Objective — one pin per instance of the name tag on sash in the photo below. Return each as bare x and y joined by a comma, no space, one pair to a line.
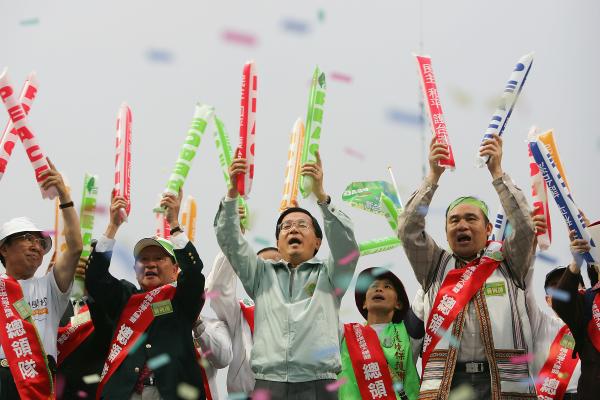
22,308
568,341
495,289
162,308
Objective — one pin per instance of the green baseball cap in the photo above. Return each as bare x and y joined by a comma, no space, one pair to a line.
154,241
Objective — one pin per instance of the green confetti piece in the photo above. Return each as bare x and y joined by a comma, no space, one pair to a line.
160,360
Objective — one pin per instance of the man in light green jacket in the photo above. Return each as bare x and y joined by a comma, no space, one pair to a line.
296,337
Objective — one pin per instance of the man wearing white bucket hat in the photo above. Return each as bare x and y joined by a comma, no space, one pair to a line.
31,307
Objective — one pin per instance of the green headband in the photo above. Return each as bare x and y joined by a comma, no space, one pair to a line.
469,200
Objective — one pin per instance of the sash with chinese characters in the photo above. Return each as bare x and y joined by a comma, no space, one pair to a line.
554,377
74,333
594,324
368,362
248,313
136,317
457,289
21,344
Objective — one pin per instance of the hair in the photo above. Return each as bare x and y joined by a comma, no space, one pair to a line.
6,241
554,276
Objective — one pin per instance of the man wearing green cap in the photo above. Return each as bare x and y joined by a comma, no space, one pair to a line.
152,352
476,322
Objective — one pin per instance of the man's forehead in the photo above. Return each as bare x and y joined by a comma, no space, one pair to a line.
296,216
382,281
465,209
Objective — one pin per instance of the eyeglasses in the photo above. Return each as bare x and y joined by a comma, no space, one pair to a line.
300,224
31,238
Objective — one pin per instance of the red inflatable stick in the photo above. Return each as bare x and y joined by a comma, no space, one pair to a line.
248,126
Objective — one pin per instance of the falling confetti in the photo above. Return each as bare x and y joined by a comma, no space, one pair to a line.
262,241
525,358
338,76
547,258
91,379
558,294
460,96
159,56
321,15
332,387
237,396
187,391
452,340
354,153
325,352
353,255
138,343
398,386
82,395
343,280
60,384
295,26
362,283
463,392
160,360
424,210
404,117
211,294
239,38
29,22
261,394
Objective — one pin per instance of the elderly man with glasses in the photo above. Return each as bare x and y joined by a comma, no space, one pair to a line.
296,338
31,307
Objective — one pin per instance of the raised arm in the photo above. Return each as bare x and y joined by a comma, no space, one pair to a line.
518,248
190,281
108,292
246,264
64,269
343,247
420,248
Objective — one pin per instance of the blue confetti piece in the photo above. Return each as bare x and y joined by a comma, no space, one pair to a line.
398,386
262,241
558,294
29,22
296,26
159,56
547,258
237,396
138,343
159,361
405,117
325,352
452,340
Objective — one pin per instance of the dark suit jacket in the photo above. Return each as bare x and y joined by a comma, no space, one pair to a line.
577,313
88,358
169,334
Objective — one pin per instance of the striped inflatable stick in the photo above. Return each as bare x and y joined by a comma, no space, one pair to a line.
247,126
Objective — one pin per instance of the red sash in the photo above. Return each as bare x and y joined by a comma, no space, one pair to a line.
71,336
204,376
457,289
556,373
22,345
594,324
368,361
136,317
248,313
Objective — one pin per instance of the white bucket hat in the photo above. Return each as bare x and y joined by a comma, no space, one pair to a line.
23,224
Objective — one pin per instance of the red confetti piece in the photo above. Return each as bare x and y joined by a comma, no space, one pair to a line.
338,76
239,38
353,255
211,294
354,153
332,387
525,358
261,394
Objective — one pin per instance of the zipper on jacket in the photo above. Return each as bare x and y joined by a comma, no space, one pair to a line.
291,282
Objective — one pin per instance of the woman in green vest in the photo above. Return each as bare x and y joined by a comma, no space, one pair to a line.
376,358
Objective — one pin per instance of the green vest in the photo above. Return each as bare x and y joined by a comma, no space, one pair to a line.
387,338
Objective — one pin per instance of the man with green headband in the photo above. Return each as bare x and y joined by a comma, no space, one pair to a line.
476,330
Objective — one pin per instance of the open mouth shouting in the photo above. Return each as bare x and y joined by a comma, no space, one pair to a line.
378,297
294,241
463,238
150,273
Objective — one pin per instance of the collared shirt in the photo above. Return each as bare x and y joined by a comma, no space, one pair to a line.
424,253
296,335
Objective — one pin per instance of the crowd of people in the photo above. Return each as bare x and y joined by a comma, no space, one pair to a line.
474,321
